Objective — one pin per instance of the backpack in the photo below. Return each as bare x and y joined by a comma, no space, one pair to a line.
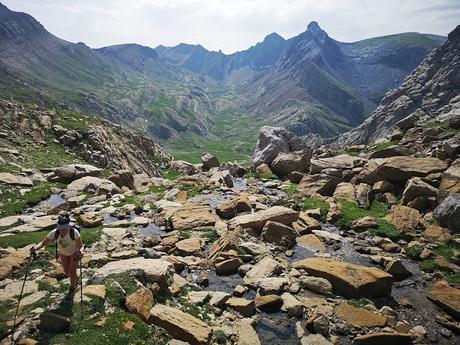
56,235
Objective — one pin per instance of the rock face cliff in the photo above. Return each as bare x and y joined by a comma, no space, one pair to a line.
430,92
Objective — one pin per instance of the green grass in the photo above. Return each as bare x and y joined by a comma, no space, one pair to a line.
311,203
91,235
359,303
414,251
210,234
381,146
453,278
6,314
182,302
447,250
159,190
22,239
290,188
378,210
220,337
171,174
12,202
185,234
428,265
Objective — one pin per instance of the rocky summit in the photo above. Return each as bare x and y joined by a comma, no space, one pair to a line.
350,240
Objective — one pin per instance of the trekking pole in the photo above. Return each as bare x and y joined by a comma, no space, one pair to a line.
31,257
81,296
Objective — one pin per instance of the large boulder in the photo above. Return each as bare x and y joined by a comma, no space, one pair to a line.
446,297
221,178
258,219
349,280
140,302
231,208
340,162
416,188
123,178
359,317
192,216
448,212
319,184
91,184
400,169
405,219
209,161
450,182
155,270
186,167
180,325
278,233
272,141
265,268
285,163
72,172
8,178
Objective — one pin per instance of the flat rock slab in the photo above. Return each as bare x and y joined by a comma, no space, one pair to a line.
446,297
180,325
192,216
347,279
246,333
258,219
9,178
155,270
384,339
266,267
359,317
13,259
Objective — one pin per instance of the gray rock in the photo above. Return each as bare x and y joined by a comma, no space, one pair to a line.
448,212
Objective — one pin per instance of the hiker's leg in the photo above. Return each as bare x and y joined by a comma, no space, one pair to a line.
73,272
65,263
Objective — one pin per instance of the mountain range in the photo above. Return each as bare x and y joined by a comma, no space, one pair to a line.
194,99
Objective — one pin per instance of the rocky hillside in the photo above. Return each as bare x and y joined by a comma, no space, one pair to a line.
308,247
430,92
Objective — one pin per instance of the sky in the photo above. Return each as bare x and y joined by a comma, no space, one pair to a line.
232,25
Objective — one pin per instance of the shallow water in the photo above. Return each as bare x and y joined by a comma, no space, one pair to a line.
149,230
53,201
276,329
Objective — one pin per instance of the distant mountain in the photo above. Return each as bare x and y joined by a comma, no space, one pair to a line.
193,99
431,91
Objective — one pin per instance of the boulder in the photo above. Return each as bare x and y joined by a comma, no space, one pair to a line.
363,193
448,212
347,279
91,184
209,161
291,305
266,267
450,182
382,187
359,317
346,191
123,178
229,266
241,305
278,233
272,285
53,323
231,208
8,178
311,242
189,246
180,325
155,270
221,178
364,223
400,169
72,172
269,303
340,162
246,333
12,260
272,141
405,219
185,167
140,302
257,220
436,234
318,184
416,188
192,216
447,297
397,269
90,220
316,284
407,122
314,339
263,169
285,163
236,169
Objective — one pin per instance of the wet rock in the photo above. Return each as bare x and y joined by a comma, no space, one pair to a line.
209,161
241,305
316,284
349,280
447,297
140,302
180,325
278,233
384,339
258,219
229,266
231,208
192,216
272,141
269,303
285,163
448,212
359,317
53,323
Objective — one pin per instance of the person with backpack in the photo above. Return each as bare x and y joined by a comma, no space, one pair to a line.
68,244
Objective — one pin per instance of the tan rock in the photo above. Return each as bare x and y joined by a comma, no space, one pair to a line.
269,303
140,302
365,223
278,233
90,220
231,208
345,191
436,234
404,218
189,246
384,338
312,242
348,279
446,297
241,305
246,333
180,325
228,266
192,216
258,219
266,267
12,260
9,178
359,317
318,184
340,162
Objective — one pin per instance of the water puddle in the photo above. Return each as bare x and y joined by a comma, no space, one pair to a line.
240,184
111,219
149,230
276,329
53,201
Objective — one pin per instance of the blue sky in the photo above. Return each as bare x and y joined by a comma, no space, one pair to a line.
232,25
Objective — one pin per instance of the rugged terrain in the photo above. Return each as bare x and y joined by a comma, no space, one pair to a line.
193,100
307,246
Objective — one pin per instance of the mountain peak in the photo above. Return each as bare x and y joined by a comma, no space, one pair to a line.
273,37
313,27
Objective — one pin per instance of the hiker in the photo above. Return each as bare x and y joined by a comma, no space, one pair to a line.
69,246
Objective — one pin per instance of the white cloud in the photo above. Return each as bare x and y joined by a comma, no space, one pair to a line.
232,25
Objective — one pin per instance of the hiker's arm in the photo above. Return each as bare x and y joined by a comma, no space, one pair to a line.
42,244
80,247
